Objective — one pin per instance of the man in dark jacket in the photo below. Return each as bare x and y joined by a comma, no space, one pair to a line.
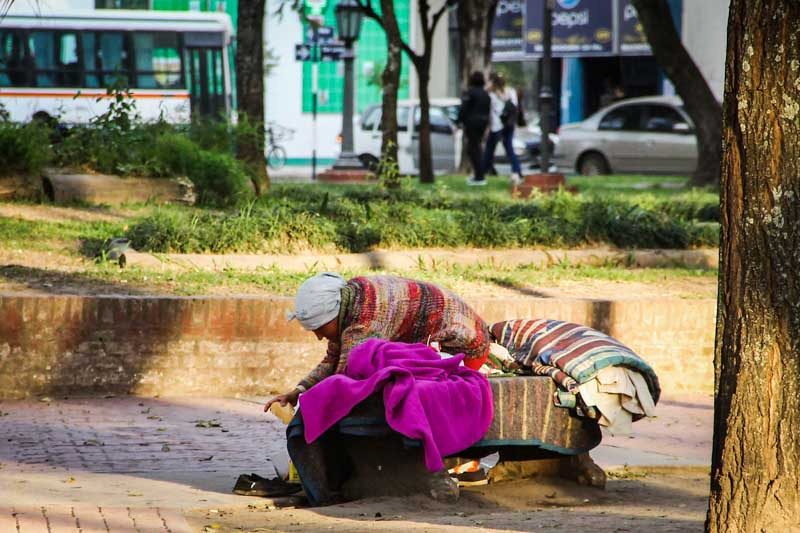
474,116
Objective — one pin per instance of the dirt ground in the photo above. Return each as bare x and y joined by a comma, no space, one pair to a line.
669,500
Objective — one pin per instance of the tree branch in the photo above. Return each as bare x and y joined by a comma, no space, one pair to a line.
370,12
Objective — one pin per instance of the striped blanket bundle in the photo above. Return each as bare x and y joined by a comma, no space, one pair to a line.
572,355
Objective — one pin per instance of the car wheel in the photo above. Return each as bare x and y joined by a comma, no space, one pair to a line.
593,164
369,161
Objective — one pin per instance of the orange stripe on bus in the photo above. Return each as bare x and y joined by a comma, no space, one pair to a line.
95,95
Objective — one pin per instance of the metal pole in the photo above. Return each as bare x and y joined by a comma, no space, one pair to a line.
314,96
347,111
546,91
347,159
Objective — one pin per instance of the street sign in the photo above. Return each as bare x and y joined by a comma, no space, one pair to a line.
325,35
314,8
302,52
332,52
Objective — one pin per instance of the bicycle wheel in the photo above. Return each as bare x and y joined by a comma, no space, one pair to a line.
276,157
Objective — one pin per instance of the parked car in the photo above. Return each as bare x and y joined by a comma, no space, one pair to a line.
648,135
445,136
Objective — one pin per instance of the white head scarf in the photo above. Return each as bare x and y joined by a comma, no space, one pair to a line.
318,300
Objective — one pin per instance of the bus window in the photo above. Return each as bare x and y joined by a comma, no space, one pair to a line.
89,46
158,62
113,58
12,59
42,47
69,70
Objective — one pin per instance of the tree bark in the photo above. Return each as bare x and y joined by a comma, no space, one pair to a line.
250,89
390,80
755,476
698,99
475,21
424,131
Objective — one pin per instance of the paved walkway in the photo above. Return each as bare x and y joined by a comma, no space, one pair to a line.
135,464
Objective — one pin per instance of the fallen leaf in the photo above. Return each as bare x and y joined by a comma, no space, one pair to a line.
134,494
45,399
165,448
92,442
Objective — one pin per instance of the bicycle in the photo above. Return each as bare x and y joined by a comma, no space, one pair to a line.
276,154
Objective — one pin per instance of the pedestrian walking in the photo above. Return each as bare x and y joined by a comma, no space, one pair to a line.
473,115
503,119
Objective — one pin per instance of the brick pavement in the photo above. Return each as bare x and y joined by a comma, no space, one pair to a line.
131,464
127,464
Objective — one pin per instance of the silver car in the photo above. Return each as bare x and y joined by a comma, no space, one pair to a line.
649,135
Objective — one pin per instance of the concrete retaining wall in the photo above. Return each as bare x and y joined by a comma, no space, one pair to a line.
54,345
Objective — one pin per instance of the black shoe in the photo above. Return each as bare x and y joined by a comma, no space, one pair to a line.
255,485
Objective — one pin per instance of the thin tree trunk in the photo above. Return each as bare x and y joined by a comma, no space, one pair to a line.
698,99
755,477
424,133
250,88
391,80
475,21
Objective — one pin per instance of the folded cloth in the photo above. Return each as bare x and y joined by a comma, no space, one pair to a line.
446,406
619,394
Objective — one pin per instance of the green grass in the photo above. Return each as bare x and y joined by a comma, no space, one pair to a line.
358,218
71,237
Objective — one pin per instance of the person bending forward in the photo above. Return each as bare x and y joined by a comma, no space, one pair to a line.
346,313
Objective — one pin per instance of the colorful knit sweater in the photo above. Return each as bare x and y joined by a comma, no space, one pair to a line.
403,310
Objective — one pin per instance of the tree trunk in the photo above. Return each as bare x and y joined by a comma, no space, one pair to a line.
755,476
475,21
698,99
250,88
391,80
424,131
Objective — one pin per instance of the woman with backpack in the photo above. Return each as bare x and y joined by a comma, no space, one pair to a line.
503,118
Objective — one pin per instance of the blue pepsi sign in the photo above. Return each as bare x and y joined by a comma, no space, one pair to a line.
580,28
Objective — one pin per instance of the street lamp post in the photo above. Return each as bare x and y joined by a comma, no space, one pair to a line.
546,91
348,23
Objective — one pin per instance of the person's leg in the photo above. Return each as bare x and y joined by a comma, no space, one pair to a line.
508,136
474,151
488,152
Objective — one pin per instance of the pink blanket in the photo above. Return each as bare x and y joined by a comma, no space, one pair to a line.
446,406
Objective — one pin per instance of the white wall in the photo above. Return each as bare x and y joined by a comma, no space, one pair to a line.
705,36
440,68
283,99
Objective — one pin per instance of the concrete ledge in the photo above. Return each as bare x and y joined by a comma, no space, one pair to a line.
61,187
53,345
412,259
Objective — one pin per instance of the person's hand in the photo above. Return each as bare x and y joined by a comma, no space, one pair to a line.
283,399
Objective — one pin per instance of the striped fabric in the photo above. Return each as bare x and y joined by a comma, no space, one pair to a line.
403,310
571,354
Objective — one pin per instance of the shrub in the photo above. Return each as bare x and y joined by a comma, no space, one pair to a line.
357,219
24,149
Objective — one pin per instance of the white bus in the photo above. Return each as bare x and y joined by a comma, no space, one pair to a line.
176,64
